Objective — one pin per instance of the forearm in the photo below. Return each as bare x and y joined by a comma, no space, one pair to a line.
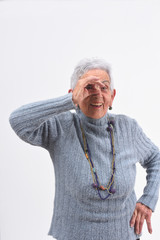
149,157
30,117
151,190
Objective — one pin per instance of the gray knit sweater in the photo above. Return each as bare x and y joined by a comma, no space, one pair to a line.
79,213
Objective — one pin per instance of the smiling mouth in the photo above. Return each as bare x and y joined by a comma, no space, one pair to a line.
96,105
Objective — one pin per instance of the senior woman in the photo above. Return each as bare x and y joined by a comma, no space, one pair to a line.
94,155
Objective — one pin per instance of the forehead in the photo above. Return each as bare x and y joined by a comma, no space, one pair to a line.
102,74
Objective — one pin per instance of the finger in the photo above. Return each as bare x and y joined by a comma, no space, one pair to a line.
133,219
137,221
149,226
98,84
88,80
91,80
94,87
141,222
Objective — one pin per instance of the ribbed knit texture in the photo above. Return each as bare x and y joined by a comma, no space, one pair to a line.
79,213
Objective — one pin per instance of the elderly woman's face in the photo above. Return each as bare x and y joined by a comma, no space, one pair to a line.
100,98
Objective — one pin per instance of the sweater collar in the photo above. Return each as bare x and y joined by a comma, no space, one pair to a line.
99,122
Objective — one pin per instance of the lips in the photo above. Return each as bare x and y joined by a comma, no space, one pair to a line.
97,105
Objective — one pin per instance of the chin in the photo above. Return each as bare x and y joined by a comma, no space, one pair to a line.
96,116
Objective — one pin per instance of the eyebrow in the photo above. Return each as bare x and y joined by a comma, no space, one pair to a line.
106,81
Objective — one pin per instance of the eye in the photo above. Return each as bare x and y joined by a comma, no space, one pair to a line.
89,86
105,88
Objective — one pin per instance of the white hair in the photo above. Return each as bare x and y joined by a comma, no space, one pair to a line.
87,64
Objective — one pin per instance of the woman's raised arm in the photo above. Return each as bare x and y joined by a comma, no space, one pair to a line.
38,123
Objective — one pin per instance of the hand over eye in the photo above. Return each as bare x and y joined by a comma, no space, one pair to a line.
83,87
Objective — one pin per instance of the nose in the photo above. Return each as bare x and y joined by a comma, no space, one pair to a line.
97,90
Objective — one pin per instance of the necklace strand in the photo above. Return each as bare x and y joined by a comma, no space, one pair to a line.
96,183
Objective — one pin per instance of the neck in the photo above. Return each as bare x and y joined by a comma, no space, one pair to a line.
96,121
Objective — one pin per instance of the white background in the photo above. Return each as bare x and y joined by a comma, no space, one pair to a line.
40,43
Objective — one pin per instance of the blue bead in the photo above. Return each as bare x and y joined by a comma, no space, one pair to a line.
94,170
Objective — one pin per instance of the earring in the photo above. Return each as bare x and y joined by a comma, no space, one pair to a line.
110,107
70,90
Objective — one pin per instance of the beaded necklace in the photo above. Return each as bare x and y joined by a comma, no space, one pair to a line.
96,183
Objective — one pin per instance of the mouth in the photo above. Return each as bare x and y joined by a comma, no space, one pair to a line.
96,105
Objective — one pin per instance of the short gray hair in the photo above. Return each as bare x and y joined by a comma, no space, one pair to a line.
87,64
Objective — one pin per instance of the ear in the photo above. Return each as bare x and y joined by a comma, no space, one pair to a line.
113,96
70,90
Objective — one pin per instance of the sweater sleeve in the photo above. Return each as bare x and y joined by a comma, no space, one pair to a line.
149,157
41,122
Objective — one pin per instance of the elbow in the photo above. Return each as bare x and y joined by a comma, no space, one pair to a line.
12,120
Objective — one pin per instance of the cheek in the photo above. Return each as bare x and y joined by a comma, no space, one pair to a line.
84,104
107,100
